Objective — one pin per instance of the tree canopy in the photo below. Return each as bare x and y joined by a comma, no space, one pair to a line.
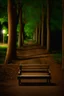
32,11
56,15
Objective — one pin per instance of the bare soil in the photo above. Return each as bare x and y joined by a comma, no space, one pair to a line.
8,76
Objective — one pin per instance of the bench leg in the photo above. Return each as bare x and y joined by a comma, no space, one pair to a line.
19,82
48,80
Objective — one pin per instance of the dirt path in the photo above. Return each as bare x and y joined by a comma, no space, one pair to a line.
32,55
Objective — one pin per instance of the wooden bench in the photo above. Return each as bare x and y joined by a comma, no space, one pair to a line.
33,68
44,69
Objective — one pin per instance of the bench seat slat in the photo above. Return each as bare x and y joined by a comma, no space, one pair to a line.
34,76
34,70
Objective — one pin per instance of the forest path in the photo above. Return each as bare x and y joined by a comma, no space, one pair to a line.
32,55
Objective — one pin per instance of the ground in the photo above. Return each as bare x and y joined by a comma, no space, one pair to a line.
31,55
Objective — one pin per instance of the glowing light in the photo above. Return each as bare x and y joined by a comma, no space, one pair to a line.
3,31
7,34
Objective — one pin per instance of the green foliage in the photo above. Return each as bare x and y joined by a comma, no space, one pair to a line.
3,50
58,57
18,28
3,11
3,2
56,15
31,15
29,29
3,19
3,8
32,12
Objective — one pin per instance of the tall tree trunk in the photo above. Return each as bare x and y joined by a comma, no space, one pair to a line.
36,35
39,41
42,31
48,25
21,29
37,30
63,36
11,50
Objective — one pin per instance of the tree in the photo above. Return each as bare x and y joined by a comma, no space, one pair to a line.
63,36
12,24
3,11
21,29
48,25
42,29
13,16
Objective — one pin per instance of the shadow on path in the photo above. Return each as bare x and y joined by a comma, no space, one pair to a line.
37,84
31,57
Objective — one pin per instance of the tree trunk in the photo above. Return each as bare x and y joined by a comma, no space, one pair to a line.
42,31
21,29
11,50
63,36
39,39
48,27
36,35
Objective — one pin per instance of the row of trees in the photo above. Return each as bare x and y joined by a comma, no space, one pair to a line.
32,12
14,14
